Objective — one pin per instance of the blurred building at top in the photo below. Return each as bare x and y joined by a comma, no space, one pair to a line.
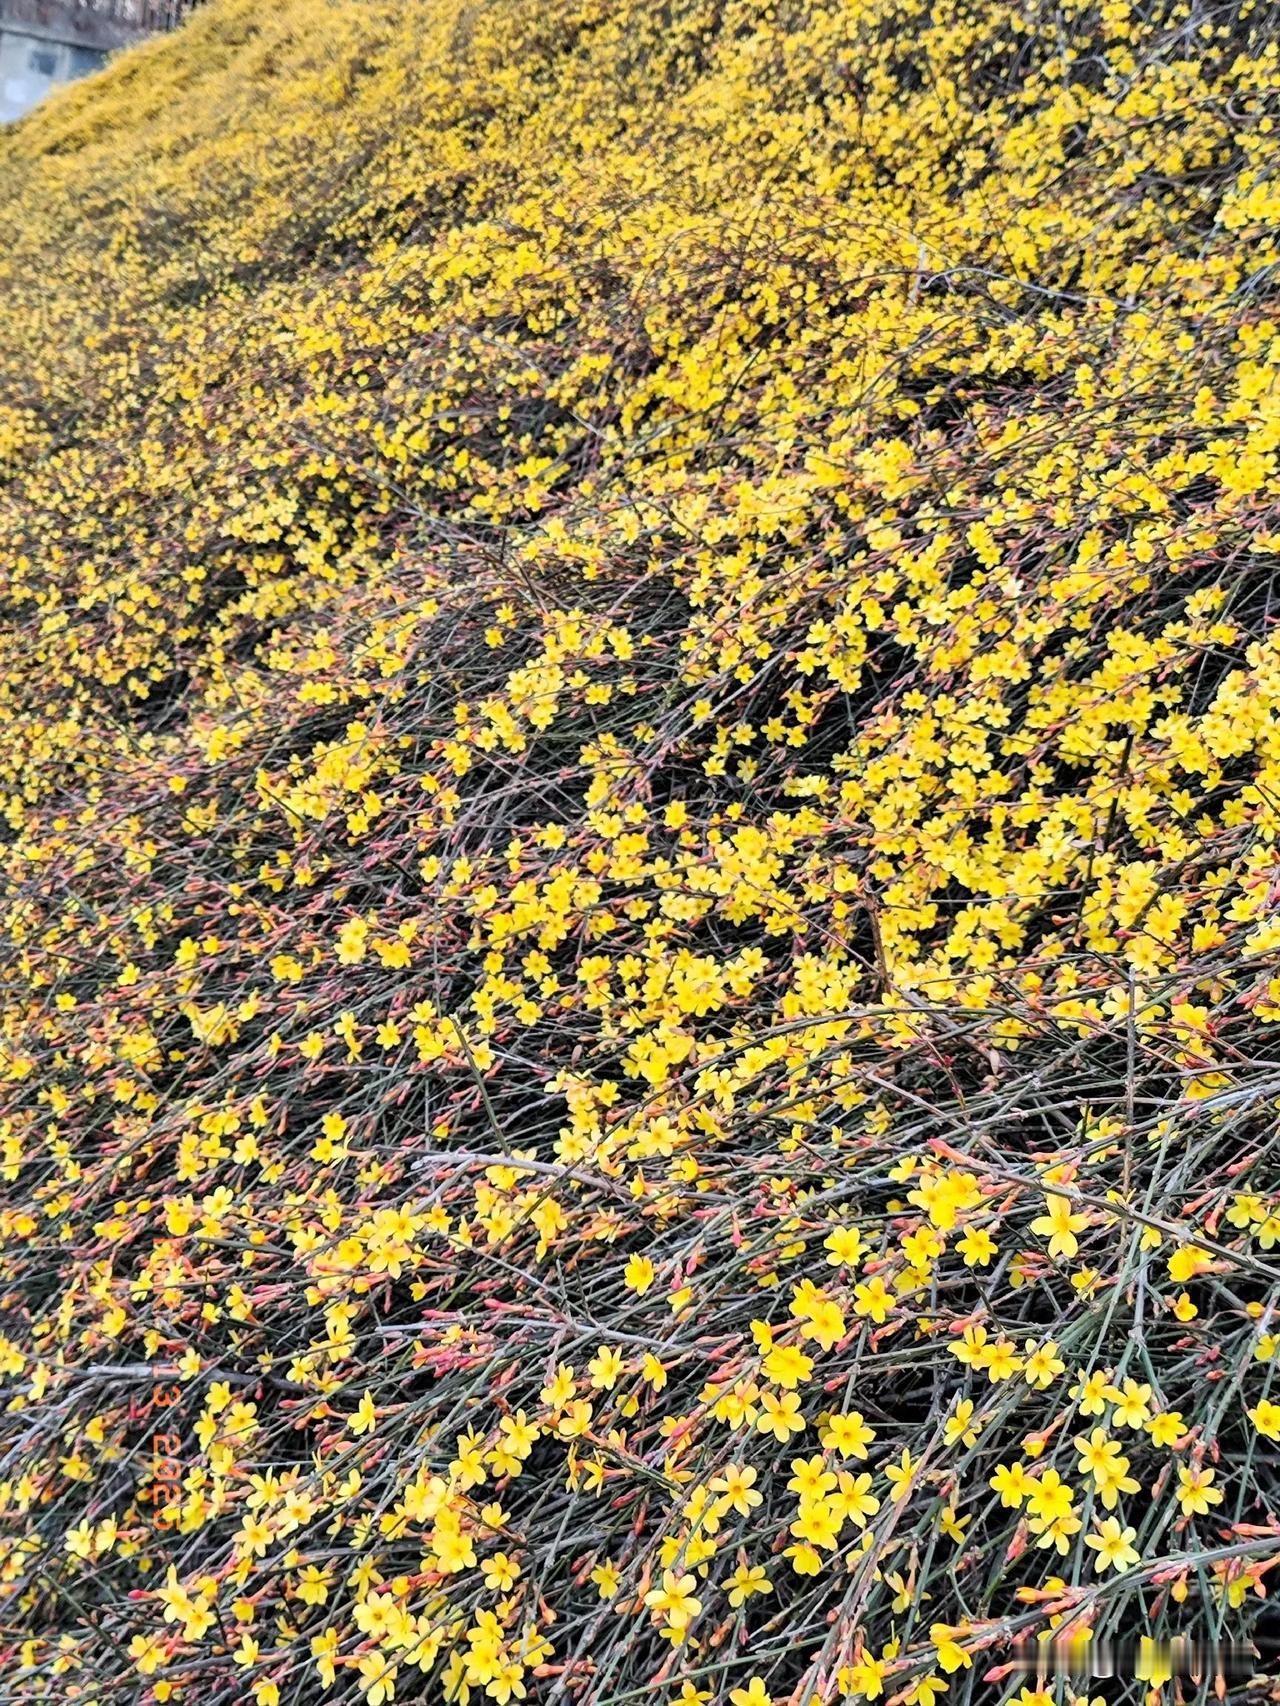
47,42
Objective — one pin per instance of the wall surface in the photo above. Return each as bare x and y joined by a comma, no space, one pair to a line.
32,64
47,42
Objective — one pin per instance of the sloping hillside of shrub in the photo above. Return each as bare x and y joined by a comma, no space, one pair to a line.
640,778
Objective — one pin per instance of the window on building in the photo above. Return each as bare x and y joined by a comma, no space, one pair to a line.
83,60
43,61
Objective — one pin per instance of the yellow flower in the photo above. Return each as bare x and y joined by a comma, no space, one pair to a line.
952,1524
1266,1418
365,1418
1056,1531
959,1426
780,1416
1113,1546
925,1690
500,1572
674,1603
1153,1663
313,1586
754,1694
1196,1492
873,1299
1002,1360
377,1679
557,1391
848,1434
977,1247
1093,1392
1167,1427
1059,1224
652,1371
818,1524
746,1580
1012,1483
147,1653
79,1540
736,1486
324,1650
1043,1364
1099,1453
822,1319
805,1559
787,1366
1133,1408
844,1246
519,1434
972,1349
605,1368
900,1476
247,1652
1051,1496
951,1655
864,1679
1187,1263
853,1500
810,1477
352,947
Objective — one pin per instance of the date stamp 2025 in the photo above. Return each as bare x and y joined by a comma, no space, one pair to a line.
165,1485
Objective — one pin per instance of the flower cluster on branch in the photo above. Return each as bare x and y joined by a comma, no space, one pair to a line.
640,777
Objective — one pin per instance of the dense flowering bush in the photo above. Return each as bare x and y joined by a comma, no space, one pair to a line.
640,762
